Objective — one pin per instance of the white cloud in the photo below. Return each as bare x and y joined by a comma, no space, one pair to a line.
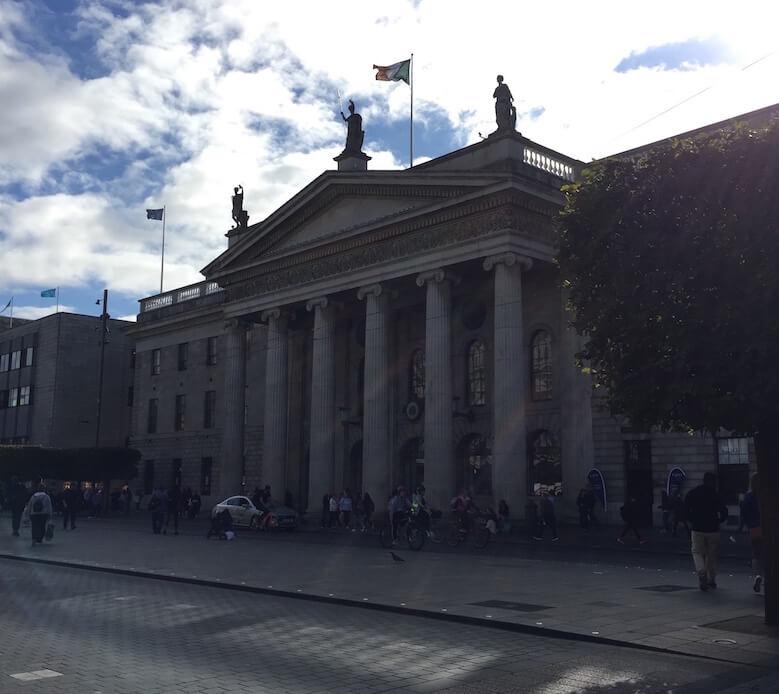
201,95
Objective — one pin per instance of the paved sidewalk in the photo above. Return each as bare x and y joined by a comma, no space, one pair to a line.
643,604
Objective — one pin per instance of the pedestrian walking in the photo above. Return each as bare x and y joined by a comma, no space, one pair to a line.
631,516
504,522
586,505
71,500
678,515
368,509
17,497
332,506
326,510
548,518
345,507
158,505
40,511
174,508
750,513
705,510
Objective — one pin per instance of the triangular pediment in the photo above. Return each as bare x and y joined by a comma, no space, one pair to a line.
337,205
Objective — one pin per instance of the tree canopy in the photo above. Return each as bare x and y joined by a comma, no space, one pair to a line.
29,462
671,262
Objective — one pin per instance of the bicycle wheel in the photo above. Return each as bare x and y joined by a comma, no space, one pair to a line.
415,537
481,536
453,536
385,536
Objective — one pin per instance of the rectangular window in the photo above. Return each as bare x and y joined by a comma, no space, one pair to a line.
211,352
205,476
28,356
733,470
151,427
24,395
132,358
148,476
13,397
16,359
3,399
181,406
209,410
177,465
156,357
130,396
183,356
5,360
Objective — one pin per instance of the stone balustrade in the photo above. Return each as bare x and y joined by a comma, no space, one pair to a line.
180,295
550,162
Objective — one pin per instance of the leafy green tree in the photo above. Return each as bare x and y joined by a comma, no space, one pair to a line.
671,259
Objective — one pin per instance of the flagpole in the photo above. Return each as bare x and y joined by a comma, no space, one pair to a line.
411,120
162,259
11,321
58,300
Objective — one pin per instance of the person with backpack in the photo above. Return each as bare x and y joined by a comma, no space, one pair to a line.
40,511
158,505
750,515
71,500
705,511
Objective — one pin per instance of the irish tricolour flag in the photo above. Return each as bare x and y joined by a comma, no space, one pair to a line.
395,72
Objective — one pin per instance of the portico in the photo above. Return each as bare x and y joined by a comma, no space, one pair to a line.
376,266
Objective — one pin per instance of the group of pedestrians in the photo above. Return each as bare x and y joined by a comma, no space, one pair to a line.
343,511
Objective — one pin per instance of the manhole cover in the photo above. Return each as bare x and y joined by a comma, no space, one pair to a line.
507,605
665,588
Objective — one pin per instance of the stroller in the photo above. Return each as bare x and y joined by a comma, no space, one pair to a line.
221,525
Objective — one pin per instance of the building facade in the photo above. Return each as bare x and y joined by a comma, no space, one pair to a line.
49,374
396,327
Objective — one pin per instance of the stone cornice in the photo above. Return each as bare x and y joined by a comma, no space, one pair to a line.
499,213
508,259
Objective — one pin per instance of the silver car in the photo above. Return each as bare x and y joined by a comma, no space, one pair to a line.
242,511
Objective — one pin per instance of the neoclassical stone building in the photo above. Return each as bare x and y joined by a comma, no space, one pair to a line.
387,327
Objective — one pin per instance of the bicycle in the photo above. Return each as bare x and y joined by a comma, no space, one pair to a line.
477,529
409,529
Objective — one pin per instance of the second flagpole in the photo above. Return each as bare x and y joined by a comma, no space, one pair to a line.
162,259
411,120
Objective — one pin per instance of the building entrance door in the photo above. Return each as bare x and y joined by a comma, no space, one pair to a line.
412,464
638,478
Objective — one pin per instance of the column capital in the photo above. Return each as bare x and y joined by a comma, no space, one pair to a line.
322,302
275,314
509,260
369,290
236,324
438,275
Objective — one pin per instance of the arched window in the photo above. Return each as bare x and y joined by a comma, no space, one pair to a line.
543,463
477,374
416,376
541,365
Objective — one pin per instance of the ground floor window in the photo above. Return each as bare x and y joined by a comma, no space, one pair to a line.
733,469
545,474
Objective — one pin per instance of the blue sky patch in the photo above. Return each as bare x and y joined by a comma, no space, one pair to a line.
684,55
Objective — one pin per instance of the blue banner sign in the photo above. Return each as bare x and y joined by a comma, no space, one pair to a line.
598,484
676,479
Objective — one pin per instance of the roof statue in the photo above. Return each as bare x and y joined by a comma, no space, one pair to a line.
240,216
353,158
505,111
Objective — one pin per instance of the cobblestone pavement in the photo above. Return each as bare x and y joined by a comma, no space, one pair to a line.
647,601
69,630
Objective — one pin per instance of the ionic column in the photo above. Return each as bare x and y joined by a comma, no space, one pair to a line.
322,439
274,448
509,457
376,465
439,445
233,403
576,444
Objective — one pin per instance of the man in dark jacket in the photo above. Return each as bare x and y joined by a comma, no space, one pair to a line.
17,496
705,511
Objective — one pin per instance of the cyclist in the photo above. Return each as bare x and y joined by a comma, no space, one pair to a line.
399,507
462,505
419,509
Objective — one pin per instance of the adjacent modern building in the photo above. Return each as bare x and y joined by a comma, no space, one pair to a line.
388,327
49,375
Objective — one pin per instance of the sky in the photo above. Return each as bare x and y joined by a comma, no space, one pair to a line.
110,107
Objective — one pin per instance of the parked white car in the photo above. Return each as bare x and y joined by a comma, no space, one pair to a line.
242,511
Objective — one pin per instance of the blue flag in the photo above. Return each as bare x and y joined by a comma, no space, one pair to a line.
49,293
154,214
